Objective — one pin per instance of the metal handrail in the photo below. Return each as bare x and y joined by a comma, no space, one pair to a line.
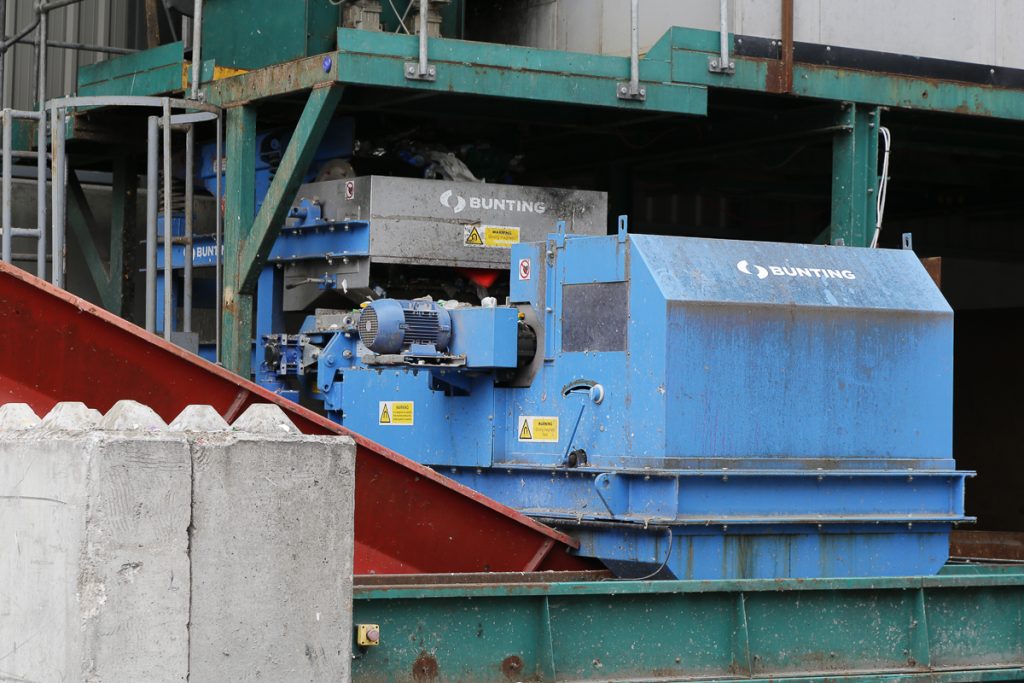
194,112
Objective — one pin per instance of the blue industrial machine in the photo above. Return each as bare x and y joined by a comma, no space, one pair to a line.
686,407
352,239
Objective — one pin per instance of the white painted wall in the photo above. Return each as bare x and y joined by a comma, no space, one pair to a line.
980,31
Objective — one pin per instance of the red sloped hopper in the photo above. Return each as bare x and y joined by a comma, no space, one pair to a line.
409,520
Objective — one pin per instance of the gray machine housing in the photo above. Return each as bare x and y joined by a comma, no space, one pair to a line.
431,222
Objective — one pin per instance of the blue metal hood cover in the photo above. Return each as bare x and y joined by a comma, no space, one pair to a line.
728,271
791,351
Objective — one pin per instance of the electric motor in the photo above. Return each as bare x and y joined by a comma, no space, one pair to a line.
390,326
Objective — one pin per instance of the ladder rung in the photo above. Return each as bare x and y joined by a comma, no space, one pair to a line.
22,232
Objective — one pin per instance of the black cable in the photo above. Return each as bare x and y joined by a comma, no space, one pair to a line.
668,556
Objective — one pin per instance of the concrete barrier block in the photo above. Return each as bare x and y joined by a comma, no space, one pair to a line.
70,416
137,553
198,419
272,545
17,416
265,418
94,580
131,415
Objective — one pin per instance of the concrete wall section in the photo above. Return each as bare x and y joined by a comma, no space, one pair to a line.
94,579
272,559
138,552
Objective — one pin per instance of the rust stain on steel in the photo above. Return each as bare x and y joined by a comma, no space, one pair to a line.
511,667
425,669
987,545
786,61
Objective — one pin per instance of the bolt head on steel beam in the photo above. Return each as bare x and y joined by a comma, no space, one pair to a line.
412,72
716,65
622,91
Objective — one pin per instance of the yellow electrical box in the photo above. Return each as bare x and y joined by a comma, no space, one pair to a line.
367,635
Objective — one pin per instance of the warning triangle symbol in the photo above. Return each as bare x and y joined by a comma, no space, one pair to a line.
473,238
385,416
524,433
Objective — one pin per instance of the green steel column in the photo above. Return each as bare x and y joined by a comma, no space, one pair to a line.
309,132
855,176
248,239
82,226
109,278
239,210
122,232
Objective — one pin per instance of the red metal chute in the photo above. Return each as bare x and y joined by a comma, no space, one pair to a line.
55,347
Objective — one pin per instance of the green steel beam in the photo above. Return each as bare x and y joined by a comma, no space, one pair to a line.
248,238
149,72
855,176
906,92
273,81
469,68
83,229
674,71
690,49
239,211
378,60
109,277
947,628
309,132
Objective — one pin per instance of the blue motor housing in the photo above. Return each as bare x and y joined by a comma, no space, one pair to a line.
392,326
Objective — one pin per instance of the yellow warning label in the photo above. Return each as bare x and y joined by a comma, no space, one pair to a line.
500,236
538,429
396,413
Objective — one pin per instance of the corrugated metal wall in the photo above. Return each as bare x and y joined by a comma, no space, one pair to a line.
97,22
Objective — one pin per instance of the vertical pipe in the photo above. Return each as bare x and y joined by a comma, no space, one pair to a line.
787,46
186,299
151,210
41,156
41,197
634,48
424,14
7,186
168,270
218,227
3,56
58,180
197,47
723,37
43,37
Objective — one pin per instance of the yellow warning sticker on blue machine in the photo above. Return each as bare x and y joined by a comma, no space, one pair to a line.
396,413
501,236
538,429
